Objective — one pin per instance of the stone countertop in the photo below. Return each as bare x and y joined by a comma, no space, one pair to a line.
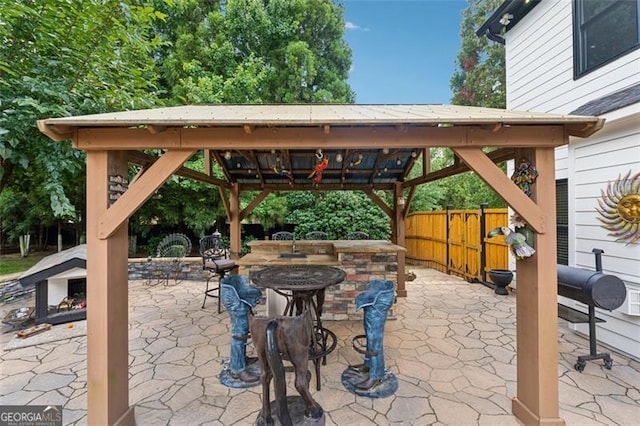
330,246
273,259
365,246
319,252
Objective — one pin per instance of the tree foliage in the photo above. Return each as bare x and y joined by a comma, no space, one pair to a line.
337,213
61,58
244,51
479,79
251,51
57,59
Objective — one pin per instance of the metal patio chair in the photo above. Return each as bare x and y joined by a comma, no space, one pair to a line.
316,235
357,235
215,260
172,249
283,235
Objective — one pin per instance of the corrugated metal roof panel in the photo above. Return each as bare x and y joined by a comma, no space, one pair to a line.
310,115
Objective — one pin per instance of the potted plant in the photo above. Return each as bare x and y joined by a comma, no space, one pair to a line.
501,278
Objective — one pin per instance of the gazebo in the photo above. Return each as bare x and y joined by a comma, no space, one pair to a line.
274,147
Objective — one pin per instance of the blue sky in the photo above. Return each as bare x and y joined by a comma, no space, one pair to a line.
403,52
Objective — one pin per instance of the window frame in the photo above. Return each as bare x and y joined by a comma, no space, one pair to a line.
579,54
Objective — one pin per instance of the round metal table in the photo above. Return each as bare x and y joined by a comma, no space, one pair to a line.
300,284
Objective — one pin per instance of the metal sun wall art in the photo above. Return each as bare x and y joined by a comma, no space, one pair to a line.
620,208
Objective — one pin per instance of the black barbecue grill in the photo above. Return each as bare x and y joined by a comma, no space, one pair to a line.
596,290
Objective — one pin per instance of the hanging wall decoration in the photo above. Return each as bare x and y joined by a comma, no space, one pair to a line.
525,175
316,173
277,169
620,208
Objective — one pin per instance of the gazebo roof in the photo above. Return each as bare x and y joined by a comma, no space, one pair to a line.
256,135
269,146
312,115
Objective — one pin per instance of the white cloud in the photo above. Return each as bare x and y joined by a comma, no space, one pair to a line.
350,26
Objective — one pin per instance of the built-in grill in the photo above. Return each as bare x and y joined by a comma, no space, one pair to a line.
596,290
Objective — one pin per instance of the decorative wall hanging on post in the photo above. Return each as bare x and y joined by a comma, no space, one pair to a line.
118,185
516,241
620,208
525,175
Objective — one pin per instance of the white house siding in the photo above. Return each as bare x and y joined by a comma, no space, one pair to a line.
539,54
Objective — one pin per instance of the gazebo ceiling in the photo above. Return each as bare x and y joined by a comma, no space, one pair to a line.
279,146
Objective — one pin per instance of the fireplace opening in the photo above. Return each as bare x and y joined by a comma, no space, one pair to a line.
60,301
75,299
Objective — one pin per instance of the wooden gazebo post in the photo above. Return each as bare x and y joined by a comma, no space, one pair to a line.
398,221
108,315
108,277
536,401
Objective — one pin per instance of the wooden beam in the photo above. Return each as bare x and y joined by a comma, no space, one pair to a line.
426,161
155,129
407,206
225,202
398,194
208,169
379,202
140,191
497,156
56,133
253,204
234,213
509,191
142,159
310,187
310,137
583,130
251,156
222,163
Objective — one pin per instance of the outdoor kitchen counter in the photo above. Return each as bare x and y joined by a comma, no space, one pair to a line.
331,248
362,260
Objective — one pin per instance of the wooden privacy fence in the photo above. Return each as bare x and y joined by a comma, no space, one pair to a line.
455,241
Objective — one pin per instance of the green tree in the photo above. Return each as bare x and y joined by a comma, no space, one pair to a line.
337,213
245,51
58,59
251,51
479,79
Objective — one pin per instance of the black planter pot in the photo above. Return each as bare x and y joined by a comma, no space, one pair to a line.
501,278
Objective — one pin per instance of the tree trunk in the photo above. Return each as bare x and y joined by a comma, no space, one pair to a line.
24,245
59,236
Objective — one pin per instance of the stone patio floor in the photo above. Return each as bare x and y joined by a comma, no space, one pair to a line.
451,345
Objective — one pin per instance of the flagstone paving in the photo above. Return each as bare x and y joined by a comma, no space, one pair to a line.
450,344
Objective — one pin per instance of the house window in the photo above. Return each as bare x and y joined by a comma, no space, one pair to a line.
603,31
562,221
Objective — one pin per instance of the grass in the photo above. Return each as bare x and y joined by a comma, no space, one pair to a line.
12,263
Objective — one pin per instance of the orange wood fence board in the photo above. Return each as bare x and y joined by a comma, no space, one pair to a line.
451,241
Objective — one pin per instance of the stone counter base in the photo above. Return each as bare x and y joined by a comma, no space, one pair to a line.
360,268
